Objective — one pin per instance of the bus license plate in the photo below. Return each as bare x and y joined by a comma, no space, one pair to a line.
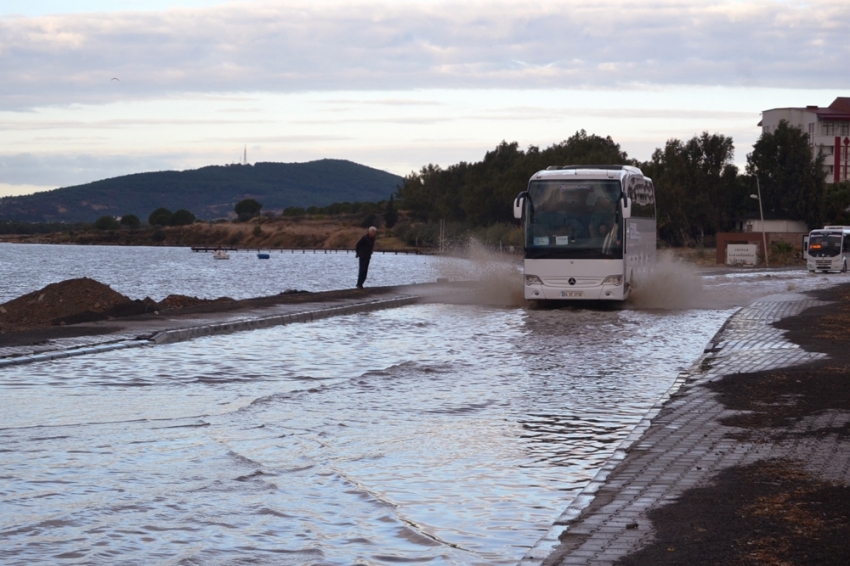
572,294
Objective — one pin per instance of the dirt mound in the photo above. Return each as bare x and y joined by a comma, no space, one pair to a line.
82,300
66,302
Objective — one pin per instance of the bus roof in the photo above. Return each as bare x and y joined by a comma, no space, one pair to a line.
598,171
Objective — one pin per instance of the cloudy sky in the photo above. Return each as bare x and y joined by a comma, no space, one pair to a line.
93,89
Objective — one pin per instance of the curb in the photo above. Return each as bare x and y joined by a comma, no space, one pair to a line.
84,351
185,334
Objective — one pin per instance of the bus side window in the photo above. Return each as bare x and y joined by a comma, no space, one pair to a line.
846,244
643,199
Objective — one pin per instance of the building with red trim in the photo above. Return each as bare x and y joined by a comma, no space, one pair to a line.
828,129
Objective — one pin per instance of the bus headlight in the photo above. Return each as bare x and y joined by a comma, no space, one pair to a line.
533,280
613,280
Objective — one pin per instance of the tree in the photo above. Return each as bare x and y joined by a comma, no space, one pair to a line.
696,187
247,208
837,206
106,223
182,217
390,214
131,221
294,211
160,217
790,177
480,193
369,220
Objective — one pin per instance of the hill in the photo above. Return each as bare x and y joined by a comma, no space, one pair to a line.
208,192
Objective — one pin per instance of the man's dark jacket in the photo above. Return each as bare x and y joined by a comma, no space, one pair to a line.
365,246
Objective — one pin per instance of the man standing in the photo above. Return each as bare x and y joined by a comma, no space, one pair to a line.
364,252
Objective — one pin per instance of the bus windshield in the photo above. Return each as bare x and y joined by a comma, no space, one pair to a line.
825,244
574,219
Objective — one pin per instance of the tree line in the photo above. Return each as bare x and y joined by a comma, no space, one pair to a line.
699,190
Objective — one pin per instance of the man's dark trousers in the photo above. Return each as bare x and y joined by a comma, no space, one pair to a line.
364,270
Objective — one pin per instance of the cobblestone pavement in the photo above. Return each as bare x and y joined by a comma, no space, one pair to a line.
681,444
122,333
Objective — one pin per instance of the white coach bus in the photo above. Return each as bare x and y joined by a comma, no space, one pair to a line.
589,232
827,249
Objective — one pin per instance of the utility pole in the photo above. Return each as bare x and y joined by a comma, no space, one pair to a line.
761,213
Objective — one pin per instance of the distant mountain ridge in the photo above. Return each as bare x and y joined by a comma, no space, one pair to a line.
209,192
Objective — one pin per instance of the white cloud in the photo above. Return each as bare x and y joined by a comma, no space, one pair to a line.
22,171
391,45
7,190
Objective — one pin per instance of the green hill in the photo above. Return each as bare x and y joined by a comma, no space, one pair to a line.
208,192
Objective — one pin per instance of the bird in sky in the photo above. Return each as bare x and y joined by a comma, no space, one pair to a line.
114,79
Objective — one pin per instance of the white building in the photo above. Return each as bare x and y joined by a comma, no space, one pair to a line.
752,223
828,129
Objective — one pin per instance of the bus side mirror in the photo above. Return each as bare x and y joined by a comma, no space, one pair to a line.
627,208
519,204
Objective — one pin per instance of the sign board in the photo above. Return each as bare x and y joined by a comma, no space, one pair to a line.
741,254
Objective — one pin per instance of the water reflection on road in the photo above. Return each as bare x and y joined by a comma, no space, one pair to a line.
445,434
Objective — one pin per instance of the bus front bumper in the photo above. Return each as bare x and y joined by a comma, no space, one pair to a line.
596,293
825,264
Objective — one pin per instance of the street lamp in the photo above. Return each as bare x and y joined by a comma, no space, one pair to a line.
761,212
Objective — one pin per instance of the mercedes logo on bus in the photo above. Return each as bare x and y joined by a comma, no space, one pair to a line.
572,281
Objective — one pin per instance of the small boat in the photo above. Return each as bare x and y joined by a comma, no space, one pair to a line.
221,254
263,256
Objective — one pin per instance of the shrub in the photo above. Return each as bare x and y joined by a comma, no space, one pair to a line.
247,208
294,211
131,221
182,217
258,231
390,214
158,235
370,220
106,223
781,247
782,252
160,217
367,207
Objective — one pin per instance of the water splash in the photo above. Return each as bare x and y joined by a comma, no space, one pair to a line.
493,278
671,285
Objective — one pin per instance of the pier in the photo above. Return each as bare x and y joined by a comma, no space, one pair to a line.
404,251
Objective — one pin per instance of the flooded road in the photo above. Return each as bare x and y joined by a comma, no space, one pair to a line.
439,434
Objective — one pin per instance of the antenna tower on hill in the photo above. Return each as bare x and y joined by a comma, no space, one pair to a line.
245,156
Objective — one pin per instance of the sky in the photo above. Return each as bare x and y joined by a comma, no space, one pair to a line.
93,89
